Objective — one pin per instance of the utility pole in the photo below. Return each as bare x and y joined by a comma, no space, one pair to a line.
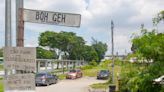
8,36
112,27
19,23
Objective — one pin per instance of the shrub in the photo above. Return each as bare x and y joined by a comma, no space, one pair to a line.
93,63
87,67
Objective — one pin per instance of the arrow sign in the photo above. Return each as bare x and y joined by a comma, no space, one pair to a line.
54,18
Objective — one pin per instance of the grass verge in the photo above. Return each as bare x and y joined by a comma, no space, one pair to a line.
1,86
62,76
90,72
99,85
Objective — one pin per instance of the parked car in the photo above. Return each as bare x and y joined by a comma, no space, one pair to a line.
103,74
73,74
45,79
159,80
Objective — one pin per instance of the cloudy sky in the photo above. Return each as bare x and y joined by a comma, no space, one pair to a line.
127,15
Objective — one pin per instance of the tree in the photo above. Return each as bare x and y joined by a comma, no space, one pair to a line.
100,48
160,17
52,40
66,42
89,54
149,45
72,46
45,54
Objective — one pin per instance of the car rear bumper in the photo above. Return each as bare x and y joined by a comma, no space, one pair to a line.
40,82
102,77
70,77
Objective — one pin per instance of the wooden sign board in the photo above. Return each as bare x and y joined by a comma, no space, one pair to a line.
54,18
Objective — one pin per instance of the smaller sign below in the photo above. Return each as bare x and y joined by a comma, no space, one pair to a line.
20,82
20,58
54,18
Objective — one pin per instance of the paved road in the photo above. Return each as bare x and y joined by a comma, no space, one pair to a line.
77,85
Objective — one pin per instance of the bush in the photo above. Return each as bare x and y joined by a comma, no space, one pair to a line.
106,63
87,67
93,63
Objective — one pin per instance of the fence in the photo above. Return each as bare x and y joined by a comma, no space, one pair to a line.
50,65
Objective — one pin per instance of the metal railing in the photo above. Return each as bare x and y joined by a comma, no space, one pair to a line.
51,65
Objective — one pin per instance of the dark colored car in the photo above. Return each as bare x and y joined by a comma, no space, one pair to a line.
73,74
103,74
45,79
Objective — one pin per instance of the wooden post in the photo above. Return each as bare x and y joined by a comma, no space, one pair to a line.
20,33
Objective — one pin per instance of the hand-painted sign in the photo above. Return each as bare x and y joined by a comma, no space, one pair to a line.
20,58
20,82
56,18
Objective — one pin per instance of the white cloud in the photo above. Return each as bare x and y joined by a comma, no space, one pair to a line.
57,5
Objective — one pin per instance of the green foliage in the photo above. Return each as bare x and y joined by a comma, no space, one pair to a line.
66,42
138,77
128,80
106,63
89,53
93,63
100,48
87,67
160,17
1,86
91,72
45,54
150,45
72,46
62,76
99,85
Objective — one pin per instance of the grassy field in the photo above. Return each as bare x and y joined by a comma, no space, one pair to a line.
1,86
91,72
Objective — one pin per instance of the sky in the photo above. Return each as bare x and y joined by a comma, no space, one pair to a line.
96,16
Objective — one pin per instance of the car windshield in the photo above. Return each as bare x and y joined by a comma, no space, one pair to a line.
72,71
104,71
40,74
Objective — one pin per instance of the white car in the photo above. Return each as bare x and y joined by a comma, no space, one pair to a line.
159,80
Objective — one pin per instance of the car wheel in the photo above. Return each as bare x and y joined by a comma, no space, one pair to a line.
56,81
47,84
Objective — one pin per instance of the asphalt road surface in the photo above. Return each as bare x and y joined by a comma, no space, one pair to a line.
77,85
